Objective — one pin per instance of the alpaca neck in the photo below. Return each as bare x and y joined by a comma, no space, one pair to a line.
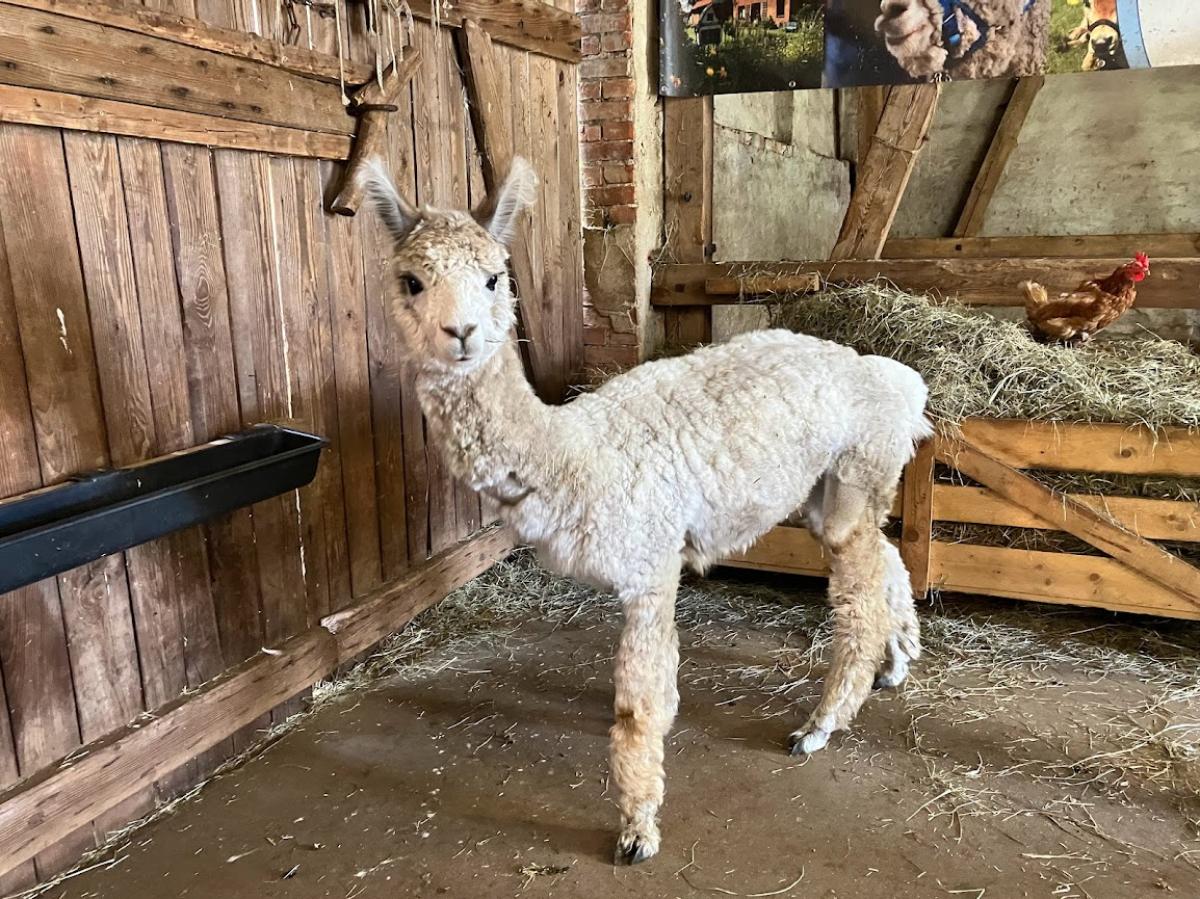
489,422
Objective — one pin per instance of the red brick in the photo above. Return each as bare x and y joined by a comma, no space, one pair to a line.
582,6
598,23
617,130
614,41
590,90
604,67
607,111
592,175
608,150
589,44
618,173
620,215
614,5
620,195
590,133
595,336
617,87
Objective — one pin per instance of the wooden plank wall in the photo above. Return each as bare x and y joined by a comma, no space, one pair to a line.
155,295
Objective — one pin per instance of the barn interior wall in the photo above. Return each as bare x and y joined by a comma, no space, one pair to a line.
155,295
1102,153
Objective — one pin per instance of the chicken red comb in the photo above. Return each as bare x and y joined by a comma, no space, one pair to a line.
1143,260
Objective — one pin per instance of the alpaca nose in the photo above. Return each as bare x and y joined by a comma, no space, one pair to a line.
459,333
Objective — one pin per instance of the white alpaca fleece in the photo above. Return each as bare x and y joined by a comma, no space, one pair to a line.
678,462
693,457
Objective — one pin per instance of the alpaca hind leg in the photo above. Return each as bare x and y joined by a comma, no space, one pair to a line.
904,641
646,701
861,626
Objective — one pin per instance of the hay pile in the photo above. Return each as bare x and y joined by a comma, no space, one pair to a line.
977,365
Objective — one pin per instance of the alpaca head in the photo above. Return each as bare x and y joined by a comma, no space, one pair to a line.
447,285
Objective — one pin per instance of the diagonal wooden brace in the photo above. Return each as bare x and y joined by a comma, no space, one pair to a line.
1067,514
371,103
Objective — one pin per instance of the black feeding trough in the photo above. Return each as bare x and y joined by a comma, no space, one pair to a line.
52,530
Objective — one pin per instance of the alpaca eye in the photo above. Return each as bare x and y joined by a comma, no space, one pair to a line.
412,284
491,282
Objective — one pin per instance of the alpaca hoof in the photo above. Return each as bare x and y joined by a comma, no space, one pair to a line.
634,848
893,675
808,741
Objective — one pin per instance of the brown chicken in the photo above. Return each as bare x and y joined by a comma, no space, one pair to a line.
1093,305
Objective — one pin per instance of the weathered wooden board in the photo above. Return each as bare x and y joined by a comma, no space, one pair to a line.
1173,283
31,106
53,52
1092,246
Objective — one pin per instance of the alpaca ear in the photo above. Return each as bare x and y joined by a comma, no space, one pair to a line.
500,211
397,214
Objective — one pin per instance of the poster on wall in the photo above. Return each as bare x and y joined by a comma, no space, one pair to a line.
734,46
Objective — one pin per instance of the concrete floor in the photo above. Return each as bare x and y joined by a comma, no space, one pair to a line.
485,775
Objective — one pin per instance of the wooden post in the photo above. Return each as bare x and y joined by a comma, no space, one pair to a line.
884,173
916,534
687,205
1004,141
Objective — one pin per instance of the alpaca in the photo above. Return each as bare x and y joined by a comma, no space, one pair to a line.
955,39
677,462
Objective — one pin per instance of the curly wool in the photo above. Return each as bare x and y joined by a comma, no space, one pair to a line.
1016,42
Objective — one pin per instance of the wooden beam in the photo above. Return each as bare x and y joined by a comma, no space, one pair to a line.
687,204
1066,514
1151,519
372,104
49,51
788,550
1102,448
1052,577
195,33
1173,283
38,811
752,286
1101,246
487,84
526,24
884,174
917,517
870,101
1004,141
30,106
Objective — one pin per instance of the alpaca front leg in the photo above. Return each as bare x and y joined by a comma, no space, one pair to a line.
646,701
861,627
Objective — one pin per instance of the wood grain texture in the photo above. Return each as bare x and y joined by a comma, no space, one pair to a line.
212,383
1151,519
52,52
38,812
786,550
530,25
183,28
688,205
1098,246
1172,284
348,318
1052,577
39,714
917,517
1100,448
883,175
1088,524
31,106
1004,141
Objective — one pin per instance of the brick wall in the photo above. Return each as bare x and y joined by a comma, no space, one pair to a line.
606,89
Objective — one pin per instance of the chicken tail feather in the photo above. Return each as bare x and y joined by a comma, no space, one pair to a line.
1035,295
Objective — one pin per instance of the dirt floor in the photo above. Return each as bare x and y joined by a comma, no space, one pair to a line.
1034,752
